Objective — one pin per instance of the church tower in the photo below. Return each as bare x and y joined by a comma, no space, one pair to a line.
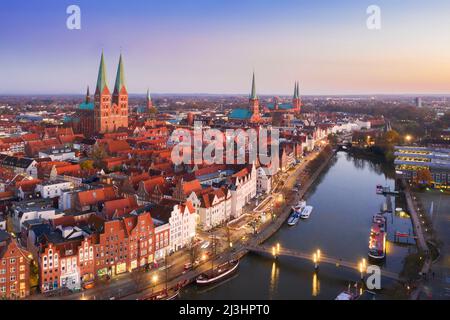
88,96
102,100
254,102
296,101
151,109
119,107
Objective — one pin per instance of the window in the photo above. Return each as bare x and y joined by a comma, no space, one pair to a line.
12,261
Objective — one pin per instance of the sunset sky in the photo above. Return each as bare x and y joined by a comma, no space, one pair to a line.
212,46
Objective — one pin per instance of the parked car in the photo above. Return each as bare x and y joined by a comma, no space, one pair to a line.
88,285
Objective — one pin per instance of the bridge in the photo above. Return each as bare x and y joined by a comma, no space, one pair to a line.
316,258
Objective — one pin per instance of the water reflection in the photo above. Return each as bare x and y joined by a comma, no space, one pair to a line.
274,274
315,285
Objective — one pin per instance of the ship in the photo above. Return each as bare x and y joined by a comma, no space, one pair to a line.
219,274
377,239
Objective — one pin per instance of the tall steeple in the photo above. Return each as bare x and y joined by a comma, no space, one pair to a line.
101,79
253,93
254,103
88,96
149,100
296,101
296,95
120,77
119,106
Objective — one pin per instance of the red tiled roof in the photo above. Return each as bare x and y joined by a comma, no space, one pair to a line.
91,197
191,186
150,184
119,206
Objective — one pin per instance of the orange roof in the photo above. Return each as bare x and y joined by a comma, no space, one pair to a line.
119,206
150,184
68,169
91,197
28,185
117,145
191,186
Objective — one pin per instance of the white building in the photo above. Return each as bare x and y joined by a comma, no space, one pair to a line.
212,207
26,213
264,180
181,220
59,154
243,189
182,226
53,189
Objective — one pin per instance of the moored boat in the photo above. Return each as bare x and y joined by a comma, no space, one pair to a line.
306,212
377,239
219,274
293,218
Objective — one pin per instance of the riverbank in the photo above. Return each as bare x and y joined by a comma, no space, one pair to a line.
421,240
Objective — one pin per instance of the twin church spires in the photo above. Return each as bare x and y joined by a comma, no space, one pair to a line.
110,111
254,101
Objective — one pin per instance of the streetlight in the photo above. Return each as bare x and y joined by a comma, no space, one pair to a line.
408,138
278,248
316,265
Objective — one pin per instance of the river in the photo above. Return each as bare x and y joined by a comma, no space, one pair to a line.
344,201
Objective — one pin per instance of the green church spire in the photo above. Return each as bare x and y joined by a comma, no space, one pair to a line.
101,79
296,91
120,77
253,94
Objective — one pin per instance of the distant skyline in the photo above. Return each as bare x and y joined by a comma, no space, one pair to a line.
212,46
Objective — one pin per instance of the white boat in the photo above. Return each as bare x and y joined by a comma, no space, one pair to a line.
306,212
293,218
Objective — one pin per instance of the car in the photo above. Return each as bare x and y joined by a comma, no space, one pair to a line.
88,285
188,266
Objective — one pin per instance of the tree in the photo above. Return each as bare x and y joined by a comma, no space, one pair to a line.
98,153
193,250
87,165
424,177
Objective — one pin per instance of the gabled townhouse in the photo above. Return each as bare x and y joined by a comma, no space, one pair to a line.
14,268
141,235
151,190
242,185
212,206
264,180
182,221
